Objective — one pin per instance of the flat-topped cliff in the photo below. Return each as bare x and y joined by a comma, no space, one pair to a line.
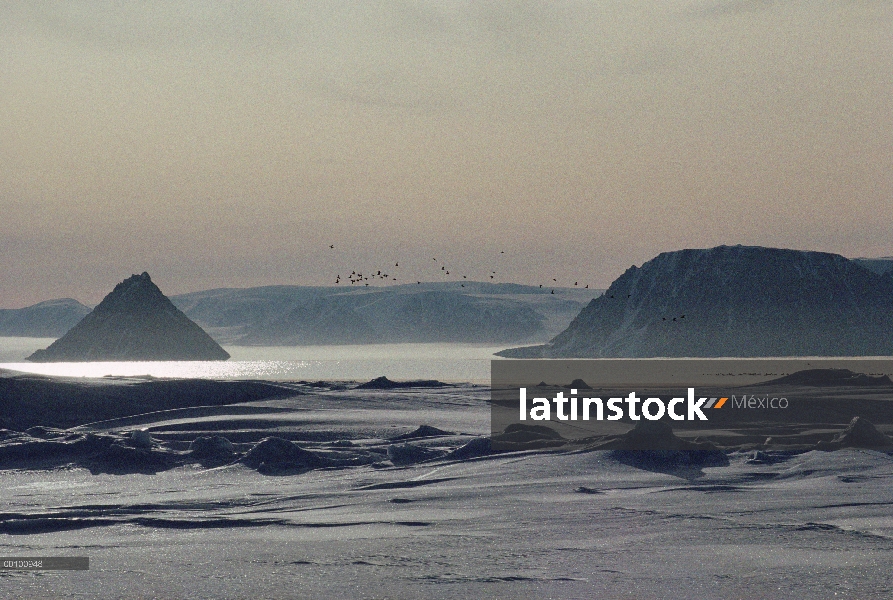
733,301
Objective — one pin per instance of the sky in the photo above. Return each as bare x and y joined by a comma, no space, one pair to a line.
230,144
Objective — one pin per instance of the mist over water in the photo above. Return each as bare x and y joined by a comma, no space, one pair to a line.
445,362
15,349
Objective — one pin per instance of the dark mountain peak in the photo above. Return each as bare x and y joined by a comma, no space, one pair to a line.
734,301
137,291
136,321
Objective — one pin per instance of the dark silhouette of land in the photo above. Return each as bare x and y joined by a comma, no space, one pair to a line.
736,301
135,321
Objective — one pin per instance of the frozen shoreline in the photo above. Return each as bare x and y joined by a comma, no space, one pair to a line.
517,525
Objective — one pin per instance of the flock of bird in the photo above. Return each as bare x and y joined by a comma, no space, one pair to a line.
357,277
678,318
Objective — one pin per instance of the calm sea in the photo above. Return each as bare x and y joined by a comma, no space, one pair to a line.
445,362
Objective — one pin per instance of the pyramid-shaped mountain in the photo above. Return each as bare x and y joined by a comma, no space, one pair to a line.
134,322
740,301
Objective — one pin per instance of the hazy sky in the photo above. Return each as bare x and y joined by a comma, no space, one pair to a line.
220,143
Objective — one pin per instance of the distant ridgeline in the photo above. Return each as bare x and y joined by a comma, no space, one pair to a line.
444,312
466,312
134,322
46,319
736,301
724,301
881,266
